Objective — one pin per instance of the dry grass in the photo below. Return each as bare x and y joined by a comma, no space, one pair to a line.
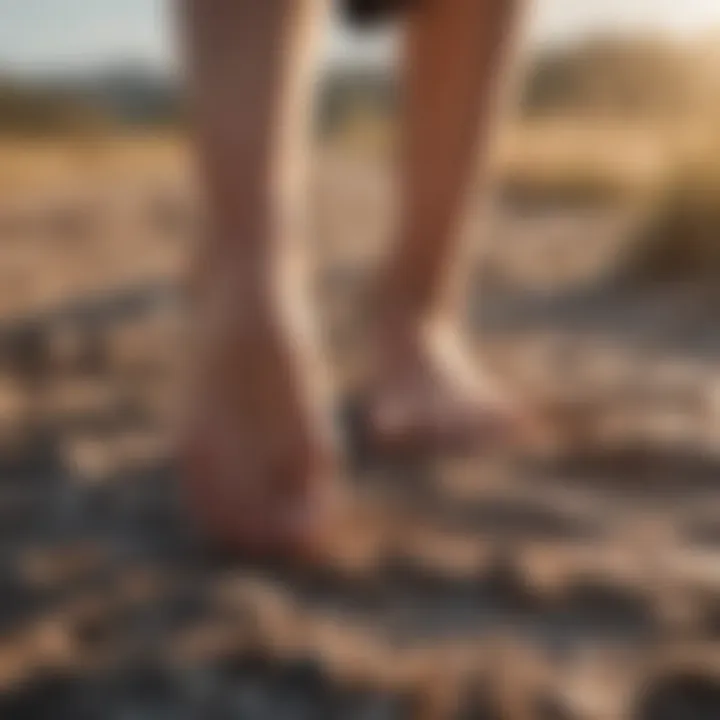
670,172
50,165
681,239
570,161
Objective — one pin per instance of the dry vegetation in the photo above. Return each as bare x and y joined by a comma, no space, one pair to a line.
635,123
611,122
40,165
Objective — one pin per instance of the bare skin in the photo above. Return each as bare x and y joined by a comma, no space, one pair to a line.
259,448
424,390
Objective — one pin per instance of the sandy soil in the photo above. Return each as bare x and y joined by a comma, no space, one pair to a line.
582,584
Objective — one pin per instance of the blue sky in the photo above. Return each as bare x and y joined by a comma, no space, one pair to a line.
47,34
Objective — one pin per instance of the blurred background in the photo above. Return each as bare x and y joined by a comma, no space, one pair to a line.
581,584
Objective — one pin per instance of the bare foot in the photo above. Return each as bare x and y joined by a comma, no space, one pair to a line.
427,395
259,462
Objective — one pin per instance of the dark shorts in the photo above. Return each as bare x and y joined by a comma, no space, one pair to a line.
366,12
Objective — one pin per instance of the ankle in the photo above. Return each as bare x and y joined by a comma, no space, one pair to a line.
402,324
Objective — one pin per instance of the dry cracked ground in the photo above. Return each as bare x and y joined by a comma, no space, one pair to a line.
583,584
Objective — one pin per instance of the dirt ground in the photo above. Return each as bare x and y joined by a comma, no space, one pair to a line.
582,585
